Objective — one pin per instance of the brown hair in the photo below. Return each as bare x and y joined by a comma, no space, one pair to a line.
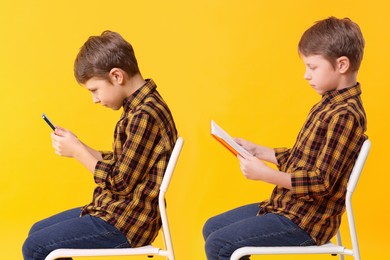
100,54
333,38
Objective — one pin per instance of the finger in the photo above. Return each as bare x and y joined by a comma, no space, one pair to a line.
238,140
60,128
56,146
58,132
240,158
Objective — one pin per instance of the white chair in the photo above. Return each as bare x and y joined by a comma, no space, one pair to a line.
145,250
329,248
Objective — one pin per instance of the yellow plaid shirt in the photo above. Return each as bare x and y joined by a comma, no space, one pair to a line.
320,163
128,179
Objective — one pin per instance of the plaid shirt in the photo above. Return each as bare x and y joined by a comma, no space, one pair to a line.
128,179
320,163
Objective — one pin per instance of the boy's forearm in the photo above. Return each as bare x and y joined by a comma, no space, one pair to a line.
266,154
87,157
94,152
279,178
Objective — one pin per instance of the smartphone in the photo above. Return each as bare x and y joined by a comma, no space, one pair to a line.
47,120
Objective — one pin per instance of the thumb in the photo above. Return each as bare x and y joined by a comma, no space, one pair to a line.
238,140
59,131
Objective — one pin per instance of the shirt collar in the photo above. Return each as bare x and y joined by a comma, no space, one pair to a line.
138,96
343,94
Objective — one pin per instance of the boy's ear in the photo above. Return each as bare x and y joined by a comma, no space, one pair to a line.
117,75
343,64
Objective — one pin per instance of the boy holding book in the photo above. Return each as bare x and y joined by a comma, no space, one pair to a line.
306,206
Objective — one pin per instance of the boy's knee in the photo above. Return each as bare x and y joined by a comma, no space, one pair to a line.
208,228
27,249
213,246
36,227
32,250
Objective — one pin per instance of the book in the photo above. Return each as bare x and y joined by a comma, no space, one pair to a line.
226,140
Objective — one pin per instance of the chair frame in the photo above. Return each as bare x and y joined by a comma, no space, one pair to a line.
328,248
148,250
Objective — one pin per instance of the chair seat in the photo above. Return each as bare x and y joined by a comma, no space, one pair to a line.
329,248
64,252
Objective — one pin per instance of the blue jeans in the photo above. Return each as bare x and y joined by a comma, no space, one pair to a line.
69,230
241,227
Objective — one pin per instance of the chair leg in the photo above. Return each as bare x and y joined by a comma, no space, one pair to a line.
340,243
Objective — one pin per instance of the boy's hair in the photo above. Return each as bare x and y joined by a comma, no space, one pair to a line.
100,54
333,38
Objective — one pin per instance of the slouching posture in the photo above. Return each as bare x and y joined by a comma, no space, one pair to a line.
128,179
124,207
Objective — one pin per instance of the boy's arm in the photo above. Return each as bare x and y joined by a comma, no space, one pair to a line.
97,154
138,153
259,151
342,143
255,169
67,144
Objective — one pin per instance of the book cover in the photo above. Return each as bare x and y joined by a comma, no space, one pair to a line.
226,140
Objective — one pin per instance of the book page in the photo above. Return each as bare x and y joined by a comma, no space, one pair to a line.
225,139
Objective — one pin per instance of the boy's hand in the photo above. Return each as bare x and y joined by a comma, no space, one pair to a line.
258,151
250,147
65,143
253,168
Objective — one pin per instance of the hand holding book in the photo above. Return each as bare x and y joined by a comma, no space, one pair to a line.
226,140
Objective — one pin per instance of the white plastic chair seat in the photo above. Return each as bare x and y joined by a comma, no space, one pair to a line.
328,248
145,250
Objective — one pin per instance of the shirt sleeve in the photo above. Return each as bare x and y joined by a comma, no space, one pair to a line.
281,155
121,175
107,155
341,146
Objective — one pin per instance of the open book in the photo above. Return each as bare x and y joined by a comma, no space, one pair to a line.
226,140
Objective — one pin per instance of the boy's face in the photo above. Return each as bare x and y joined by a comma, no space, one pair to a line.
321,74
108,94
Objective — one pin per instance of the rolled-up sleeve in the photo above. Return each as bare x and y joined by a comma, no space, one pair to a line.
282,155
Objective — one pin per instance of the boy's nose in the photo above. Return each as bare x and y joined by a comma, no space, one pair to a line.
95,100
306,75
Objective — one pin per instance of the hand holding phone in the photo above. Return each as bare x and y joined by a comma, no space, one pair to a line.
47,120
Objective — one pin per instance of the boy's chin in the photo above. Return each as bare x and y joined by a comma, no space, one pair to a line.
113,107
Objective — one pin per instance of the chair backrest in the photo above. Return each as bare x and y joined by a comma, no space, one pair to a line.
352,182
171,164
163,189
357,169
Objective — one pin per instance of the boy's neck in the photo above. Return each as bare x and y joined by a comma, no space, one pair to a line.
133,83
347,81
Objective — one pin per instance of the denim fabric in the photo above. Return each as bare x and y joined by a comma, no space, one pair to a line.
242,227
69,230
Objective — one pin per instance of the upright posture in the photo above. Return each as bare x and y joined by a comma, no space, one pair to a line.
306,205
124,207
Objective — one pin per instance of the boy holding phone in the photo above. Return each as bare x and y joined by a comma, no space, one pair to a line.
124,208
